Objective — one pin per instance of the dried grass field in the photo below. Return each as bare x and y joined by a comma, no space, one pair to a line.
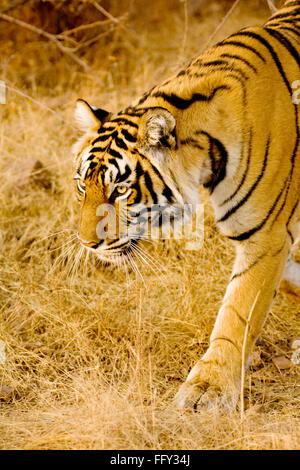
94,355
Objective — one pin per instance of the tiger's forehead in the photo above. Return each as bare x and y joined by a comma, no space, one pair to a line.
109,149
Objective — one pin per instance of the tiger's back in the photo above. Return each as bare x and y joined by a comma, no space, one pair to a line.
246,82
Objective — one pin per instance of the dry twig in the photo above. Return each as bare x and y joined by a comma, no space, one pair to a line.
112,18
92,40
243,369
272,6
38,103
84,27
220,25
53,38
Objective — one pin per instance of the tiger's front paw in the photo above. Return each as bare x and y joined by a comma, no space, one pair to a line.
209,387
196,394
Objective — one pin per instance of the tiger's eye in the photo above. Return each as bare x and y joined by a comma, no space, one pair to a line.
121,189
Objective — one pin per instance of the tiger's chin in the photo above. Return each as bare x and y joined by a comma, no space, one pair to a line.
114,259
116,256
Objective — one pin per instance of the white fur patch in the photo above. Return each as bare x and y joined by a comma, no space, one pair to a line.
84,117
157,127
292,272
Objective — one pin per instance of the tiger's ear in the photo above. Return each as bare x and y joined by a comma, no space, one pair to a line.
88,117
157,129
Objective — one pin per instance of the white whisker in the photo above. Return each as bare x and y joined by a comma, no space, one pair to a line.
136,269
147,259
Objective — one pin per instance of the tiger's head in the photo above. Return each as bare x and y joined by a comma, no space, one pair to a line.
124,178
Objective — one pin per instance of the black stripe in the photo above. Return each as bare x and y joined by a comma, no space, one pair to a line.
229,75
97,149
221,63
138,171
123,120
128,136
125,175
120,143
292,213
223,69
114,153
229,68
91,169
105,129
284,201
246,197
290,235
93,165
174,135
285,15
264,42
285,43
192,142
145,96
156,171
213,62
289,29
135,151
167,193
113,162
104,137
245,171
242,85
145,210
241,45
246,235
160,220
218,157
246,270
242,59
149,186
182,103
102,170
281,24
116,246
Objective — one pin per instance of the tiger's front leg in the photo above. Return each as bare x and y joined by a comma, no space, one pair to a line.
215,379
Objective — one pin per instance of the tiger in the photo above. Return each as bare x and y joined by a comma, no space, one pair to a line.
229,122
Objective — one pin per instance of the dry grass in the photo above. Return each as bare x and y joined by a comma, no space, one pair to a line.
94,356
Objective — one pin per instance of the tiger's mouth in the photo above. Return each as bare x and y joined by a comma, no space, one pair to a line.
117,254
